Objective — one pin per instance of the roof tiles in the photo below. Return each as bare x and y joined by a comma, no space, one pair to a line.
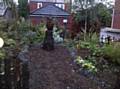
50,10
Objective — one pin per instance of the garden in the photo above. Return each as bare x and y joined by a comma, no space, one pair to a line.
73,64
40,57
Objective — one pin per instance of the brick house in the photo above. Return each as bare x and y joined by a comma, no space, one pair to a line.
114,31
41,8
116,15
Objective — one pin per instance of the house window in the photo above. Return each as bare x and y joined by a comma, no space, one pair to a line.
60,6
39,5
63,6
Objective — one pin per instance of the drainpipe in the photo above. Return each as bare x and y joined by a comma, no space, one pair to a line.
113,16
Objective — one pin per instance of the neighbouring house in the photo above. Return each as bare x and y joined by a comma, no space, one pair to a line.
116,15
58,9
5,12
114,31
114,34
35,4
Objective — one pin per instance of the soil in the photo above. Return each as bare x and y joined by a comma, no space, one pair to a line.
54,70
83,52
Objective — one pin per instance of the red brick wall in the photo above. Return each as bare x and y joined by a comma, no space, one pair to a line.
117,5
33,6
116,16
67,7
116,22
35,20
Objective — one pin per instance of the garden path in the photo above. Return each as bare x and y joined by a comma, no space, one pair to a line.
54,70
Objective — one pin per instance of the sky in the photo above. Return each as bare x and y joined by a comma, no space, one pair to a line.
112,1
16,1
73,0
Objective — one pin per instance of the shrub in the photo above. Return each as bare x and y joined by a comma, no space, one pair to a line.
2,54
40,34
94,47
112,52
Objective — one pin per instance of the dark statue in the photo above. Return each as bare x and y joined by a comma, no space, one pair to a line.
48,43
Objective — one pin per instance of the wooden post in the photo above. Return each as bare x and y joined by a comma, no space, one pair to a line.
8,74
25,76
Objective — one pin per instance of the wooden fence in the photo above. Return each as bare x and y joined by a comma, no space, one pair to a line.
14,74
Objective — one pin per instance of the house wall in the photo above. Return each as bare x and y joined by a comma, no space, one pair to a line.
116,15
59,21
32,6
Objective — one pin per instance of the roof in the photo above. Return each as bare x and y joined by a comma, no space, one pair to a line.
57,1
50,10
3,9
111,30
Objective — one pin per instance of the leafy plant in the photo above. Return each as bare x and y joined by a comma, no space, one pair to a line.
87,64
92,45
71,44
56,35
40,33
112,52
2,54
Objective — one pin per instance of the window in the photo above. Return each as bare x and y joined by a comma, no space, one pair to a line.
60,6
39,5
63,6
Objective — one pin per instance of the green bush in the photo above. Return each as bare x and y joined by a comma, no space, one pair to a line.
39,34
2,54
94,48
112,52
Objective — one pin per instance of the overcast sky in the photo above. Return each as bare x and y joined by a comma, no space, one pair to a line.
16,1
73,0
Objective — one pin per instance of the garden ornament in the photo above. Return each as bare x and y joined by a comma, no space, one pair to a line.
1,42
48,43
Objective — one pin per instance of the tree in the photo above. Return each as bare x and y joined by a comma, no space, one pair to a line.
103,14
23,8
90,15
84,9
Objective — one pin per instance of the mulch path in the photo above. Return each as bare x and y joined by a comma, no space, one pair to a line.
53,70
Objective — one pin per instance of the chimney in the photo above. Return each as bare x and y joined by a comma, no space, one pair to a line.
117,6
116,15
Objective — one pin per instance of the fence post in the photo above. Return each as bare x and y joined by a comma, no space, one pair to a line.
25,76
24,71
2,75
7,74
